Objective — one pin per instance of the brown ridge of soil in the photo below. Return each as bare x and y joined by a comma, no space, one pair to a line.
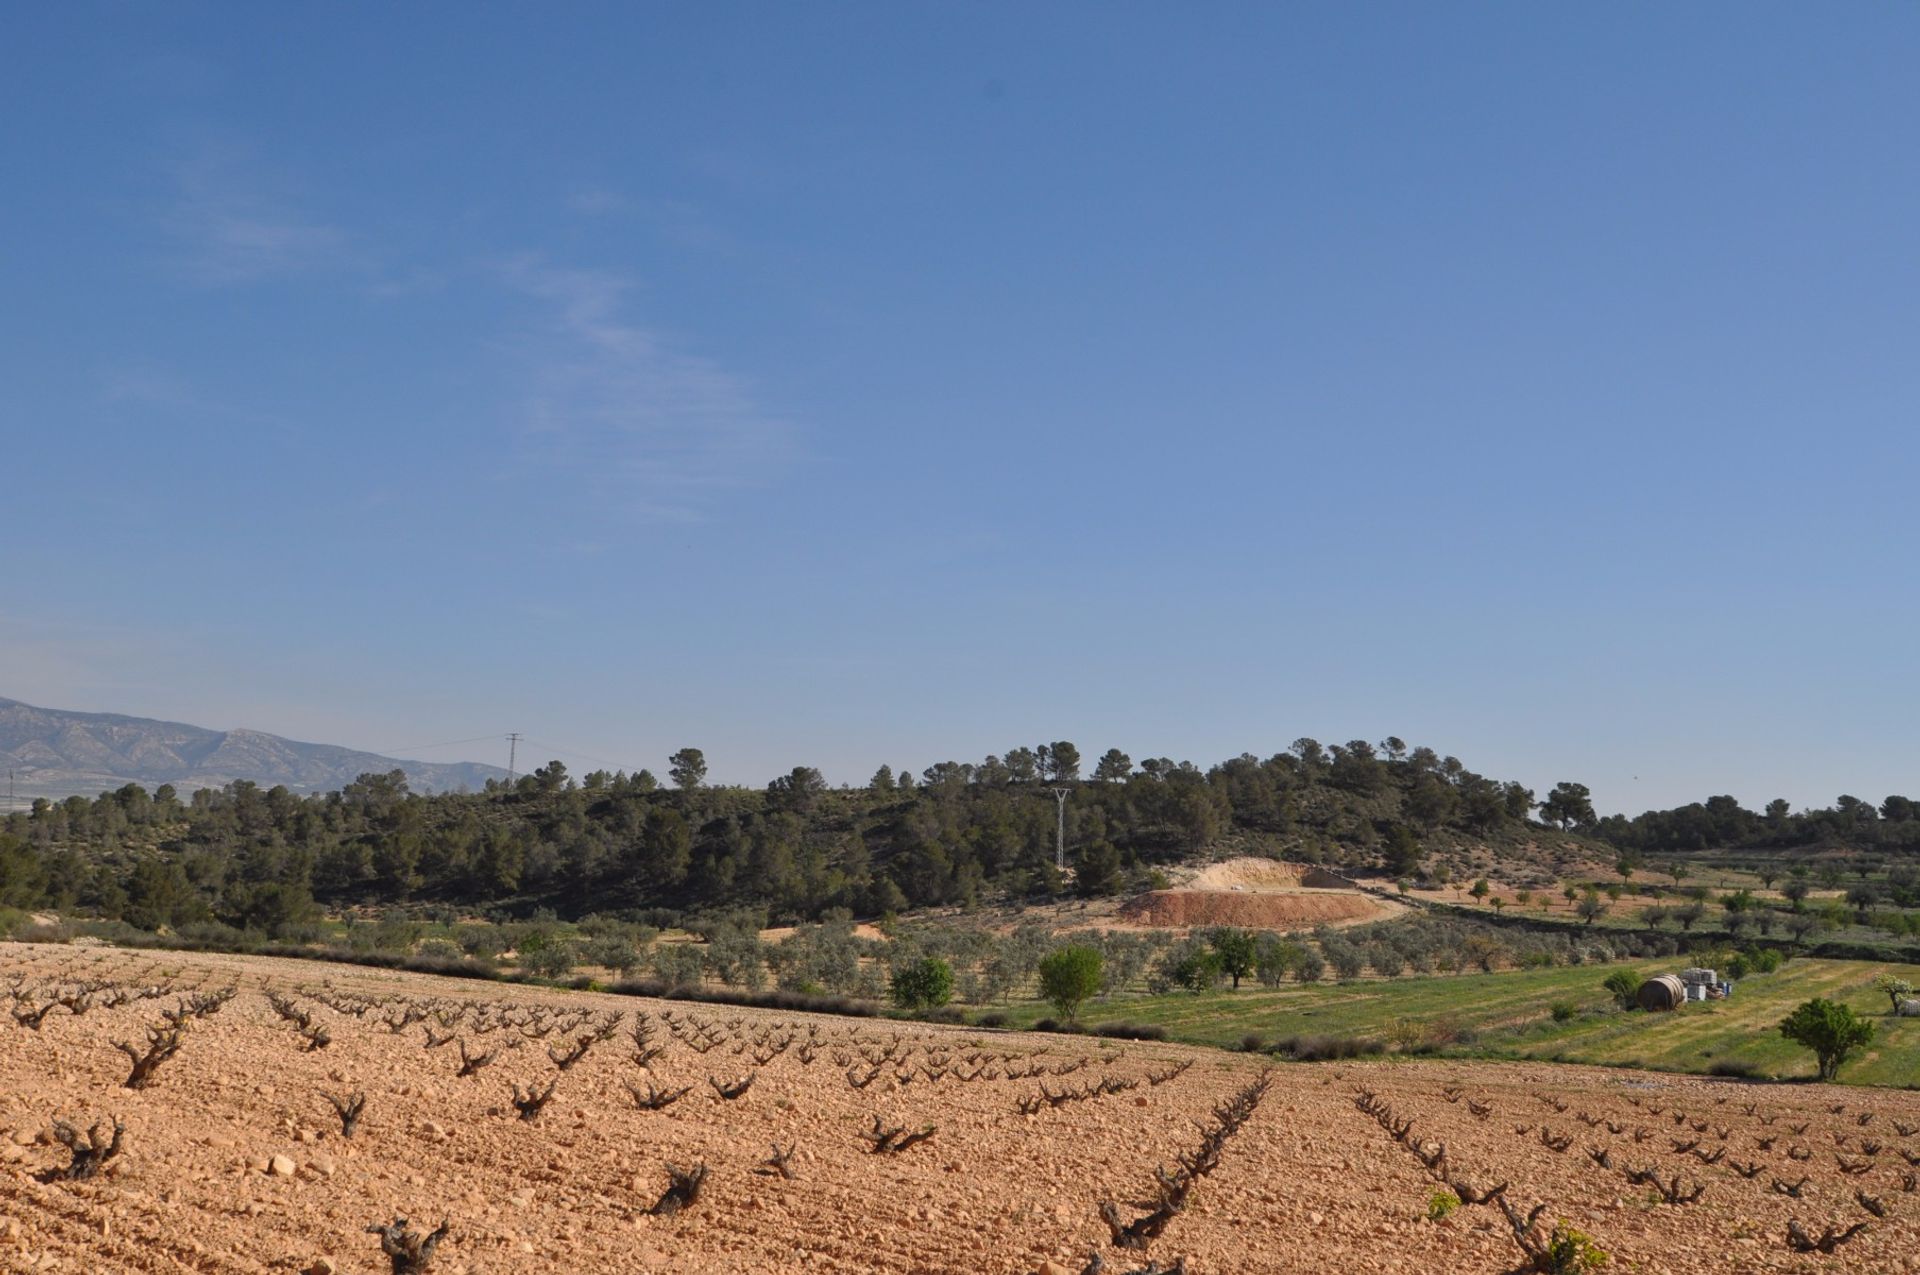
1265,910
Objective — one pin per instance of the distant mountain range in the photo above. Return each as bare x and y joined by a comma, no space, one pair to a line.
58,754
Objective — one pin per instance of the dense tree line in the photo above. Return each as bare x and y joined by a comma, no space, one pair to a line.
1722,823
955,833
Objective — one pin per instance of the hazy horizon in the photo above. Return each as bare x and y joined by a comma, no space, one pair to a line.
870,385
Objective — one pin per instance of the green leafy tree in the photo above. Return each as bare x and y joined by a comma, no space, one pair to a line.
552,957
688,768
1096,869
1273,957
1402,850
1831,1030
1235,950
1113,767
1591,908
923,984
1568,804
1069,976
1480,889
1060,761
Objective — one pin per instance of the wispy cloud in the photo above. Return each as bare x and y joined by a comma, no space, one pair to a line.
231,229
651,428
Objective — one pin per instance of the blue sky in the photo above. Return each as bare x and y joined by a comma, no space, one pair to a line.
839,384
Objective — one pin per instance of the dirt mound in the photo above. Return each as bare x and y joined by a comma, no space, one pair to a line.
1245,873
1249,873
1255,910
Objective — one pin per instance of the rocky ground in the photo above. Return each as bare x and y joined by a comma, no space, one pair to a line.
233,1159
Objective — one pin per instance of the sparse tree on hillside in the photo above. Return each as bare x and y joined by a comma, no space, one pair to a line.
1568,804
1059,761
1114,766
688,768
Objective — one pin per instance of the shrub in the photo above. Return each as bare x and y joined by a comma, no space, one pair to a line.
1564,1011
1325,1048
1623,986
923,984
1570,1252
995,1019
1131,1031
1068,976
1251,1043
1442,1203
1831,1030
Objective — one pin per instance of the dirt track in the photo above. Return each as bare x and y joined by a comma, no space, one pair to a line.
1265,911
1311,1184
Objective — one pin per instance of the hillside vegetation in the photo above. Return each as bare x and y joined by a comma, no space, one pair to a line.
957,834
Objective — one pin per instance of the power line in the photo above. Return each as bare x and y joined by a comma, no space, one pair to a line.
445,743
576,754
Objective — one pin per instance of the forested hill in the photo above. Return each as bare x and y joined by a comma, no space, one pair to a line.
956,833
55,753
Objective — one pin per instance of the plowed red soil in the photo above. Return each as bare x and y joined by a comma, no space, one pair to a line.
1310,1184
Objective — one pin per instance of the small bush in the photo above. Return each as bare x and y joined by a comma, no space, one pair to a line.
1055,1025
1131,1031
994,1019
1442,1203
1734,1069
1251,1043
1327,1048
1570,1252
1624,987
1564,1011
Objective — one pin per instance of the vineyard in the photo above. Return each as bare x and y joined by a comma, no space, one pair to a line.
240,1114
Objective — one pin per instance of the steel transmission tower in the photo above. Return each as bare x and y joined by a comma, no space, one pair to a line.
1060,833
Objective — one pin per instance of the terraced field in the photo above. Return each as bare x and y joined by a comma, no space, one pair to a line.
1510,1014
